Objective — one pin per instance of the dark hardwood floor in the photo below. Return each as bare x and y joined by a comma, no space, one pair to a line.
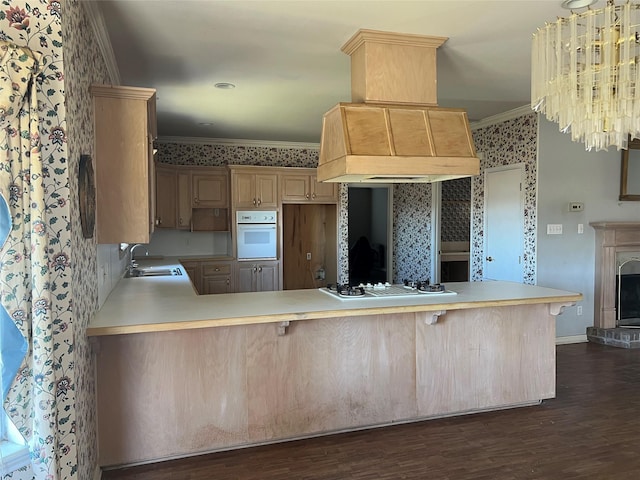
590,430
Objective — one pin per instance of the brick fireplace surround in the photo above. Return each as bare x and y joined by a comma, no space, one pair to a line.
611,238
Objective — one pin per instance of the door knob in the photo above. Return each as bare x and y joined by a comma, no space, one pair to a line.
489,259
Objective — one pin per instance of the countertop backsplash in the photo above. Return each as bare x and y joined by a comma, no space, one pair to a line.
178,242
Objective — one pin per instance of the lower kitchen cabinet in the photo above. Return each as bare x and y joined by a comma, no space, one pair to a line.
257,276
194,270
216,278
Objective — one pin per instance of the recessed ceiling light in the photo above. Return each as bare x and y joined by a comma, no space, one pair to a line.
575,4
205,124
225,85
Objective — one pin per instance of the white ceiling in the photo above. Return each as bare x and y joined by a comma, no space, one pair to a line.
284,57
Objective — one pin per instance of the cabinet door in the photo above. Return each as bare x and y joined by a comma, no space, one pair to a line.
245,277
323,191
266,190
268,277
295,188
184,201
210,190
244,190
216,284
165,197
124,174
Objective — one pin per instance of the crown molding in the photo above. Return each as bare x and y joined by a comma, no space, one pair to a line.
501,117
238,142
102,37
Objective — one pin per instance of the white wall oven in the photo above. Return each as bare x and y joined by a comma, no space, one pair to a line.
256,234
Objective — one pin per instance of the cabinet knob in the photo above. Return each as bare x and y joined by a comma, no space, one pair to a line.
259,201
254,201
180,220
255,269
307,195
259,269
227,281
313,196
196,200
217,269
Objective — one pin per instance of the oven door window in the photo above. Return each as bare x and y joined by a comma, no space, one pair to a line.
256,241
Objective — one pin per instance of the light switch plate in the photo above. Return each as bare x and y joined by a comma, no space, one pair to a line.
554,229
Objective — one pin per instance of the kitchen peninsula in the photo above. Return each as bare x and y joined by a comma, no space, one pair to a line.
180,374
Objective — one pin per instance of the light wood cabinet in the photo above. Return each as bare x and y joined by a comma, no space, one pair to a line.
210,188
192,198
183,207
166,192
194,270
254,187
125,127
257,276
303,187
217,278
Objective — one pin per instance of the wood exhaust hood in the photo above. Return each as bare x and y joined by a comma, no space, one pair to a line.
394,132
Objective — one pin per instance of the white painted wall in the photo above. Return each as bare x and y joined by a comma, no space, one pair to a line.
567,173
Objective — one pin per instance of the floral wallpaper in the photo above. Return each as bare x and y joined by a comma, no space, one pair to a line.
84,66
60,31
412,231
455,215
506,143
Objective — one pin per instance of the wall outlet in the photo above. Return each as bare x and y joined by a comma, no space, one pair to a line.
308,255
576,206
554,229
581,228
579,310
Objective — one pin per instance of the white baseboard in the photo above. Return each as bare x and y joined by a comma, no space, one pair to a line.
97,474
571,339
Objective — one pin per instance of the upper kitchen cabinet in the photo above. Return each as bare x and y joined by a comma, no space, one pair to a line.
300,185
166,192
125,127
253,187
210,187
210,199
183,204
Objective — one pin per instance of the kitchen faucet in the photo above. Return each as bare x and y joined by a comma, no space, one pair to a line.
132,262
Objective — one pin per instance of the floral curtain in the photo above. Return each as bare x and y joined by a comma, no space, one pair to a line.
25,283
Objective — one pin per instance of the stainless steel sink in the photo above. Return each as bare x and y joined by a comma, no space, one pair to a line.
154,272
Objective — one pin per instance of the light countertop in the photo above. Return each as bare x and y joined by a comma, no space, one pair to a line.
148,304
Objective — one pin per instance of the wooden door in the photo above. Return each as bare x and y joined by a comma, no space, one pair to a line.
244,190
325,192
295,188
165,197
209,190
183,206
266,190
245,277
268,277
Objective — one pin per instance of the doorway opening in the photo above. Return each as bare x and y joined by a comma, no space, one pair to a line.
370,233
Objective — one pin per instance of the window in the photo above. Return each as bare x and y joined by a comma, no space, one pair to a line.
14,454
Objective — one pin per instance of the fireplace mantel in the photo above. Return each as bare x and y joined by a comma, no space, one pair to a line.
611,238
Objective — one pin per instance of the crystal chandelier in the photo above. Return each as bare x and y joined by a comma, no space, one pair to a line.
585,74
